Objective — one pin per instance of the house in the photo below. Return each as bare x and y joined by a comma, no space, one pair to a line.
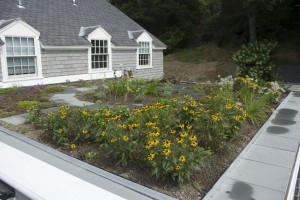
54,41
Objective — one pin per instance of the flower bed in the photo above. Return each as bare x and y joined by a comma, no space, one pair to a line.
172,137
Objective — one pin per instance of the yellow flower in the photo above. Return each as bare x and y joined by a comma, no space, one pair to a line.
194,143
189,127
182,159
155,142
181,126
113,140
193,138
123,126
84,131
215,118
59,130
185,108
72,146
228,106
167,143
84,112
151,156
155,117
103,133
178,168
237,117
184,134
236,127
180,140
148,146
125,138
62,116
173,132
107,113
167,152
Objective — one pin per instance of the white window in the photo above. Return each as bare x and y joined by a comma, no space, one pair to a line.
21,56
144,54
99,54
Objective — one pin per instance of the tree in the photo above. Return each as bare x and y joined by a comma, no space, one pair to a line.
253,6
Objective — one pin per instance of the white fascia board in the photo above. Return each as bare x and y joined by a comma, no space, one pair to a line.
64,47
19,20
125,47
159,48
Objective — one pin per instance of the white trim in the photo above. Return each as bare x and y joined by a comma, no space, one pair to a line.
144,37
125,47
19,28
37,179
159,48
61,79
100,34
64,47
19,20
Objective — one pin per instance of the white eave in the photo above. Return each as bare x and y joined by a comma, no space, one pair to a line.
64,47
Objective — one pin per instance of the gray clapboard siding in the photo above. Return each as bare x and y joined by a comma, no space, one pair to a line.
64,62
127,60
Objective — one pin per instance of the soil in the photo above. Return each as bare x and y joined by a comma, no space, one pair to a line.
200,71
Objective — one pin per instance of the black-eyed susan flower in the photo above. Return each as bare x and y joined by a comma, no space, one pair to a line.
125,138
194,143
167,143
167,152
151,156
182,158
84,131
72,146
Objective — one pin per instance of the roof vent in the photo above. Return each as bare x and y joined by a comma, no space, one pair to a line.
74,3
19,3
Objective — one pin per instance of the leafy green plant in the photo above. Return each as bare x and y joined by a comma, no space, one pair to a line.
254,60
139,97
29,104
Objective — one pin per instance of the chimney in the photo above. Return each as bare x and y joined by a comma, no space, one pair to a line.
19,3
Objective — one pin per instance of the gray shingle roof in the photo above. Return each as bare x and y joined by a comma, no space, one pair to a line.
59,21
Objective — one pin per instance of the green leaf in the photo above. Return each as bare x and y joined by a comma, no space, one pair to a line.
197,186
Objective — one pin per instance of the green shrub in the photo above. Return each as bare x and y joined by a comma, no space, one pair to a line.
254,60
5,113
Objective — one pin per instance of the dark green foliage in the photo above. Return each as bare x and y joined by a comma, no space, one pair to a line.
170,20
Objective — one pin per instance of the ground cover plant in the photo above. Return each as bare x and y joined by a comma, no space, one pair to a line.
172,137
127,91
17,100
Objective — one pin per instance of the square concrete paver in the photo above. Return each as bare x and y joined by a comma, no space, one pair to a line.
261,174
290,131
238,190
275,141
272,156
15,120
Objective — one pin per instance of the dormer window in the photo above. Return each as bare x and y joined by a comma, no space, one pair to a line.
21,56
144,54
100,56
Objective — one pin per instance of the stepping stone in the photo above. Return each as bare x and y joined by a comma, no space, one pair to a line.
69,100
16,120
